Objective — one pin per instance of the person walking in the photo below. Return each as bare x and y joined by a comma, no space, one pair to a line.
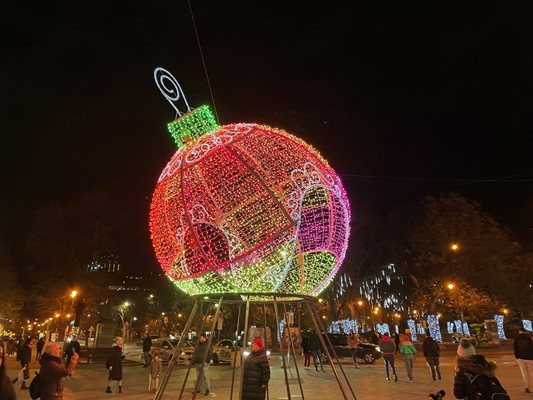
7,391
39,346
11,347
353,342
432,354
408,351
388,348
523,351
256,373
114,365
200,360
52,372
314,347
155,373
25,359
307,352
147,346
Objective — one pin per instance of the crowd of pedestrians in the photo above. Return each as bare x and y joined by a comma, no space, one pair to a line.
474,376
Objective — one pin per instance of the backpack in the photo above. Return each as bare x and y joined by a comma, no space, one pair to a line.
487,388
35,387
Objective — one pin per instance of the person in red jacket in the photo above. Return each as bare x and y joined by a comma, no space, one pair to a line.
388,348
52,372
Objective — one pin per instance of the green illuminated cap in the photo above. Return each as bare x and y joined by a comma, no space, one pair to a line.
192,125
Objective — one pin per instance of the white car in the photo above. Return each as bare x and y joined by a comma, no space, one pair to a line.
164,347
222,351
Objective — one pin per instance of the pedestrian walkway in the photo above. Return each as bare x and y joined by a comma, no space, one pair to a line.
368,382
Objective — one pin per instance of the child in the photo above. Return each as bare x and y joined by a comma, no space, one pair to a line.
155,373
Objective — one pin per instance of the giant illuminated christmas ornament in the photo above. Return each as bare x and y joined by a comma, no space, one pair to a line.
245,208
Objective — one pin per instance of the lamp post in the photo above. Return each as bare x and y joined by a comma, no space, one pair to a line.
451,286
360,304
131,328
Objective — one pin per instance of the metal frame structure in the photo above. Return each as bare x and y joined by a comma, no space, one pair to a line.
274,300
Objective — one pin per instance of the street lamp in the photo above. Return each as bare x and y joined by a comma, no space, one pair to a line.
73,294
455,247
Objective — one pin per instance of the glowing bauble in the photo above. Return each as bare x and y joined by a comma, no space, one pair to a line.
245,208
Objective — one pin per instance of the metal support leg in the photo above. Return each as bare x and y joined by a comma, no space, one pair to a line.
282,355
175,353
244,341
266,342
334,353
294,356
235,352
325,347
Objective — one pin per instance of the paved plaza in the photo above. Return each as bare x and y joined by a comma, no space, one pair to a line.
89,381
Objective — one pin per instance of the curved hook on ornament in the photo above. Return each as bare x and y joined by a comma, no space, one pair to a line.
170,88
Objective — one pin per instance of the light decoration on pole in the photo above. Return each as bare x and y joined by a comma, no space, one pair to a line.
246,208
412,328
458,326
383,328
466,329
499,323
527,324
449,326
434,328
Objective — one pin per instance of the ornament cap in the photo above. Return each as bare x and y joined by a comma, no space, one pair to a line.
192,125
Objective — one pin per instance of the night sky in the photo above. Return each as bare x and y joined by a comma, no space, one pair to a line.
437,93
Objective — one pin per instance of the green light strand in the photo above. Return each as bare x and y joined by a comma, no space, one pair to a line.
192,125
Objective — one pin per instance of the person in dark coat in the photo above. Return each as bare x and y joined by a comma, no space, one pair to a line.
256,373
39,346
307,352
203,353
432,354
523,351
7,392
114,365
52,372
147,346
468,369
315,348
24,356
11,347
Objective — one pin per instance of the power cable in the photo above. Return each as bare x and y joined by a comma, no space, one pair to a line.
203,62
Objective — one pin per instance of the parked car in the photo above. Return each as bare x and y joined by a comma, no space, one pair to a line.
338,339
222,351
367,352
164,347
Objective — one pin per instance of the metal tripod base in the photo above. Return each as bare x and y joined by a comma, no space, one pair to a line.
272,300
